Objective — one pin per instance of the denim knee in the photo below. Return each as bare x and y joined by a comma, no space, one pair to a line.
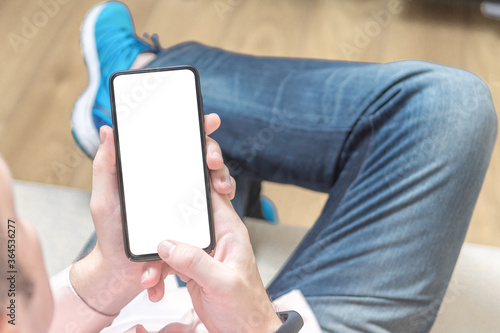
454,106
471,118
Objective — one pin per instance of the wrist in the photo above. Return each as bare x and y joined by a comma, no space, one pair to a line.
105,290
275,323
272,320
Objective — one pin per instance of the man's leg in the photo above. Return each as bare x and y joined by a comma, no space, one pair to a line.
401,148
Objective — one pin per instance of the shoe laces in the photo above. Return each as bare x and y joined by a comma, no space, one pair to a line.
121,44
153,39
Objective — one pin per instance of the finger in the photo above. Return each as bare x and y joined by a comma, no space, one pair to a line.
226,221
155,294
215,161
212,123
104,181
184,278
191,263
152,279
233,186
222,182
104,162
169,270
176,328
137,329
151,273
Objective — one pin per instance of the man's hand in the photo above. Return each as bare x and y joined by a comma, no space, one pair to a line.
106,279
227,292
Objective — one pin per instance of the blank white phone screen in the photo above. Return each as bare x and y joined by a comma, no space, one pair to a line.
161,159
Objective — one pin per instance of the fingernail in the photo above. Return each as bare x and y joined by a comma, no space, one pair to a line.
145,275
218,156
165,249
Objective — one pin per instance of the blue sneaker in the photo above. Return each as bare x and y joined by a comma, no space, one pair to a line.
269,210
109,44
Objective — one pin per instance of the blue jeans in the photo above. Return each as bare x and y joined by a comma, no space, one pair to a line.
401,149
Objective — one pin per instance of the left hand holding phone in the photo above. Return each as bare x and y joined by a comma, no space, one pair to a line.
106,279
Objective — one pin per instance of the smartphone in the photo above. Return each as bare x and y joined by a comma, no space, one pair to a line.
161,165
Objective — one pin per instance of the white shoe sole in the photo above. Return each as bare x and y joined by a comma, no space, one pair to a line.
82,122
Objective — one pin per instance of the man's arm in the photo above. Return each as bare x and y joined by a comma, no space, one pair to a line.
71,313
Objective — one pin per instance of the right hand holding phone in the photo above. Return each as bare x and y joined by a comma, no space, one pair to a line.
227,292
225,286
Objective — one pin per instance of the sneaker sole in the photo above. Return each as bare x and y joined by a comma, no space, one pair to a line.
83,128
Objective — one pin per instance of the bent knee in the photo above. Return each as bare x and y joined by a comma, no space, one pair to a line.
469,99
454,101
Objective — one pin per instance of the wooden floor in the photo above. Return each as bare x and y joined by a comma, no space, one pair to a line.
42,71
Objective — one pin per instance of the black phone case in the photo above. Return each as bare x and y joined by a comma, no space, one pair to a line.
155,256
